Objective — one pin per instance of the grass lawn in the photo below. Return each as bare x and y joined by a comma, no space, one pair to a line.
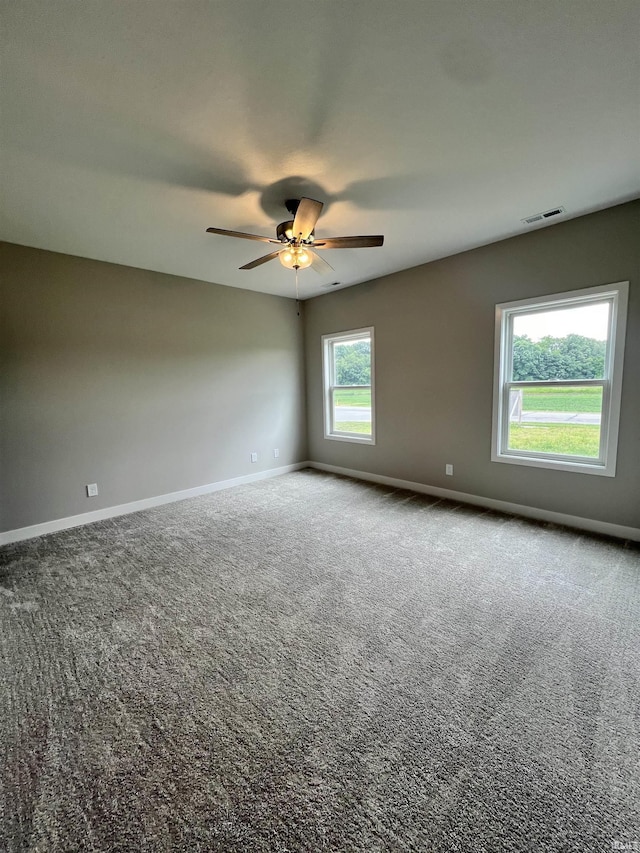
562,399
352,397
571,439
361,427
535,399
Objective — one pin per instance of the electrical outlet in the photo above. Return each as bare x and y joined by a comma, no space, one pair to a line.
276,453
448,470
254,457
92,490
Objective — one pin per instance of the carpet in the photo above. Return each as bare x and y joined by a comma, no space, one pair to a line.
311,663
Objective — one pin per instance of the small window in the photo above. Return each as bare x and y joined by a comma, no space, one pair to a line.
558,380
348,386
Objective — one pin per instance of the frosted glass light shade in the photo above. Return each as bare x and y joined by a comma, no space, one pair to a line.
296,256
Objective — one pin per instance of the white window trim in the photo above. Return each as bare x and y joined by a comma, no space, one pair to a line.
327,386
612,383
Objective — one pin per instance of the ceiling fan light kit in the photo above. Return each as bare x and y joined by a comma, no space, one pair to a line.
297,238
295,258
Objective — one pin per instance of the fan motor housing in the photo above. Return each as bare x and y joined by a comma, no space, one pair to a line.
281,231
284,227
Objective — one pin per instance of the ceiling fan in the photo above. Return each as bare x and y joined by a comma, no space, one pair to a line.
297,241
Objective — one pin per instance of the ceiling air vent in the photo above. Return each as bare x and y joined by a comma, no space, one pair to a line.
540,217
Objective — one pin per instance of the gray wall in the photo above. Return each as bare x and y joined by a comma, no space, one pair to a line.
434,337
142,382
148,383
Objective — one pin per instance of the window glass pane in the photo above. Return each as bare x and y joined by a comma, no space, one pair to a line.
352,362
556,420
561,343
352,367
352,411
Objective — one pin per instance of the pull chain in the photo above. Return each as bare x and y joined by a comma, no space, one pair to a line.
297,294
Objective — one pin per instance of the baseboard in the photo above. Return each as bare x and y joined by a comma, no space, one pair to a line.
590,524
34,530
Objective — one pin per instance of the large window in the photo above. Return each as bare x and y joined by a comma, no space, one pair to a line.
348,386
558,380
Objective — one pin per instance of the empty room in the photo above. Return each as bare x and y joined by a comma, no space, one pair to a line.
319,426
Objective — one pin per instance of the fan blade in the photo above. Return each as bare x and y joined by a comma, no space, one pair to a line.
307,215
319,264
349,242
241,234
263,260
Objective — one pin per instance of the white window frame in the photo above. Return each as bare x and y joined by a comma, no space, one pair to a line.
329,385
617,294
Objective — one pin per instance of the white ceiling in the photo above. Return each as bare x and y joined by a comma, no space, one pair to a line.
128,128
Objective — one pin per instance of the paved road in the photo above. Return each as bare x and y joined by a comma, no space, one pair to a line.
362,413
560,417
354,413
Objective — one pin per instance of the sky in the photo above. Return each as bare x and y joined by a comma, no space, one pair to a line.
588,320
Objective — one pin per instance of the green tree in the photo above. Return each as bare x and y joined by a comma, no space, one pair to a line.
353,363
529,362
582,358
571,357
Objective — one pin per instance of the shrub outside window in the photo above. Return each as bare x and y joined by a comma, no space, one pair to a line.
558,380
349,386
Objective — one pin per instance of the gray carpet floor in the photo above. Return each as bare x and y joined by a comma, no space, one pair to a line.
311,663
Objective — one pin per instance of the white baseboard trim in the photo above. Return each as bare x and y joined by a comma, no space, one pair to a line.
34,530
590,524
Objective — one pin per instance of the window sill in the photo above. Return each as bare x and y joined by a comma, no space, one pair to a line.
365,439
556,464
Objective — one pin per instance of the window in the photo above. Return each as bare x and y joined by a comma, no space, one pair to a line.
347,360
558,380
